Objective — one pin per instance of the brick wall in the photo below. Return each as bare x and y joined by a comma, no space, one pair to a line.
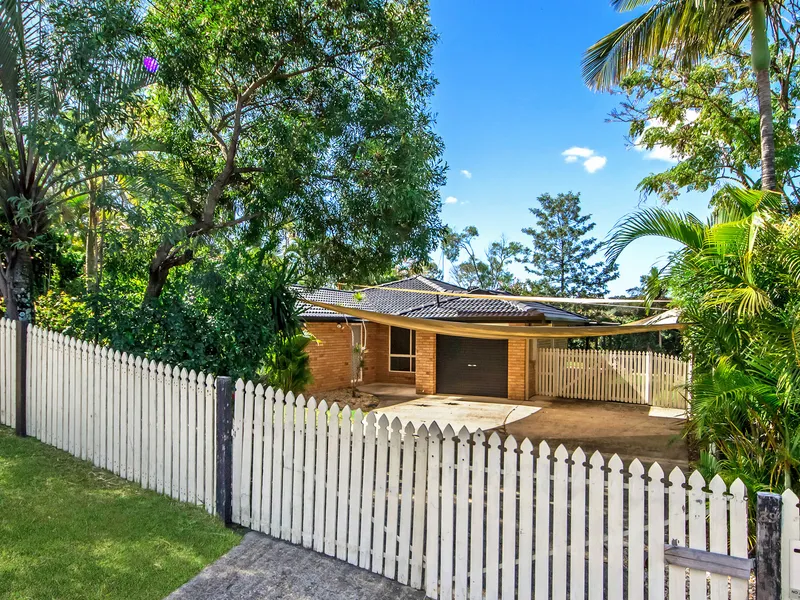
330,358
517,357
426,362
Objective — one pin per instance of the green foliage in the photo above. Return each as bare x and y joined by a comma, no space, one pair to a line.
489,274
300,117
561,254
705,119
288,366
736,280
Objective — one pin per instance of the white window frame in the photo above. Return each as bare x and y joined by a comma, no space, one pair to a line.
411,357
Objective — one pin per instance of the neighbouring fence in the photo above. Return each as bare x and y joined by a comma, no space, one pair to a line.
147,422
463,516
622,376
457,515
8,372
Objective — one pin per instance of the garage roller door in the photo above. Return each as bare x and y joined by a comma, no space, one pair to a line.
471,367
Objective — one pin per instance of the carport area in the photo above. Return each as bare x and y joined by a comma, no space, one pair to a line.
631,431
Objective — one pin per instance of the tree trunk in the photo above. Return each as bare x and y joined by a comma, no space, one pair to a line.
160,266
761,59
17,285
91,242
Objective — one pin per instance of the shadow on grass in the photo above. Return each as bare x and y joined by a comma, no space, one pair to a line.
70,530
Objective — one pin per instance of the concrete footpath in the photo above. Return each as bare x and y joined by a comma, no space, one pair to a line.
261,567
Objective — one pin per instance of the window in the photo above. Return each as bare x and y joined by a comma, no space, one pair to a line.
402,350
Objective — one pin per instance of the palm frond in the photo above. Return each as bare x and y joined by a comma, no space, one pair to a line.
684,228
689,28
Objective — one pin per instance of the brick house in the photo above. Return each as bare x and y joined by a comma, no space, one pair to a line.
434,364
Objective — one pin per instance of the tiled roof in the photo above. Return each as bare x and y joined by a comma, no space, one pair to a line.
385,299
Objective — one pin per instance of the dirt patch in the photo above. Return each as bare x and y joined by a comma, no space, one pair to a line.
366,402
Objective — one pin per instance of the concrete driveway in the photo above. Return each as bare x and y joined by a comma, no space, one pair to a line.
261,567
630,430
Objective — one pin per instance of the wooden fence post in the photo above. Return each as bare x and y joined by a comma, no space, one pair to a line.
648,378
224,489
768,546
22,372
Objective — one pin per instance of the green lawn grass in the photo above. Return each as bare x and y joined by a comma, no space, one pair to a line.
69,530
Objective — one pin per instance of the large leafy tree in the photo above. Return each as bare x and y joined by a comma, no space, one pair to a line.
736,280
691,30
562,253
302,117
475,272
70,72
703,119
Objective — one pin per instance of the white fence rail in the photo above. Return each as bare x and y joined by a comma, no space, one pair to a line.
462,517
147,422
621,376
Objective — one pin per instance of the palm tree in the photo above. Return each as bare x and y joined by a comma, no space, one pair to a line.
736,279
691,29
68,73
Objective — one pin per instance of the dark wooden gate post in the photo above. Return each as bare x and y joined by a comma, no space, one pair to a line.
22,376
224,489
768,546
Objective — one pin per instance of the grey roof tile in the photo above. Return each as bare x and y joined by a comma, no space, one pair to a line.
386,299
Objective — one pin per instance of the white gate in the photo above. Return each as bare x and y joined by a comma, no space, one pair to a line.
620,376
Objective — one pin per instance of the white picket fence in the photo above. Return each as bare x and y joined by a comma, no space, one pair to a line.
8,372
147,422
462,517
620,376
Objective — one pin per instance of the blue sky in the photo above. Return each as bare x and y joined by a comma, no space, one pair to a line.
511,100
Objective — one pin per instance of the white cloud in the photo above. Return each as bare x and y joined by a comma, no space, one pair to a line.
660,152
450,200
466,173
595,163
577,152
591,161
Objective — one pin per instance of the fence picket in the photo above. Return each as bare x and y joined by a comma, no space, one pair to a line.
493,469
393,500
418,527
379,522
655,533
596,526
287,465
447,503
461,581
356,464
308,474
560,539
478,506
615,496
677,531
162,424
509,554
636,529
718,533
332,480
406,514
258,455
298,491
434,506
278,413
319,484
367,495
343,495
267,460
526,511
542,574
577,552
191,430
738,534
175,432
